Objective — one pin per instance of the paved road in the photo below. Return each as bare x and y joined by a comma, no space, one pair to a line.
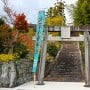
51,86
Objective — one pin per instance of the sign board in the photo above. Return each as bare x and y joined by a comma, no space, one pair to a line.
39,38
65,32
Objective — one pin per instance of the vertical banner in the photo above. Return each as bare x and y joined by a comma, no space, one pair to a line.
39,38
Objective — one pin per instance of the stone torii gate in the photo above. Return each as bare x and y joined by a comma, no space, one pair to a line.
66,36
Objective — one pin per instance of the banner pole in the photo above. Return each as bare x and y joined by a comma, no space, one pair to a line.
34,79
39,39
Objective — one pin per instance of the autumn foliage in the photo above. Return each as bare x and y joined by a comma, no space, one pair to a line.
11,36
55,15
5,35
20,23
27,41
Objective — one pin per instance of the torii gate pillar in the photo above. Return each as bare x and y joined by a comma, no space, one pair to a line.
87,59
43,59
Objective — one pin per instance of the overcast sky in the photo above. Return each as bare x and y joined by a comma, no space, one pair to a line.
31,7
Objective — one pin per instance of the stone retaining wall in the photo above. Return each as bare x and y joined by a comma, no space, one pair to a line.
23,72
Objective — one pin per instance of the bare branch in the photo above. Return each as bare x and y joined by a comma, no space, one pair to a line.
9,11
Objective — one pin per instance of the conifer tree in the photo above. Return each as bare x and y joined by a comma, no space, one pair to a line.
81,13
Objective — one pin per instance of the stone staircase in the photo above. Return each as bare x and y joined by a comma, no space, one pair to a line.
68,64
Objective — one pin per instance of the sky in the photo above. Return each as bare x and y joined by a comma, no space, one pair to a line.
31,7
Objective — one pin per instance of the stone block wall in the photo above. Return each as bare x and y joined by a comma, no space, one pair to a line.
23,72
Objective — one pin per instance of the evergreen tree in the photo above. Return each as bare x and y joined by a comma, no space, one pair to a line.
81,13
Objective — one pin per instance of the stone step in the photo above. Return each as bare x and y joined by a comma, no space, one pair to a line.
68,63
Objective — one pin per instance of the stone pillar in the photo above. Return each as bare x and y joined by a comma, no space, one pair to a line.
42,59
87,59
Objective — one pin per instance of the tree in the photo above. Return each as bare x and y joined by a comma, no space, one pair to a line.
53,48
21,49
1,44
1,21
55,15
6,37
55,21
81,13
27,41
10,13
20,23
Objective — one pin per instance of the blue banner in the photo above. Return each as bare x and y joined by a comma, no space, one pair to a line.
39,38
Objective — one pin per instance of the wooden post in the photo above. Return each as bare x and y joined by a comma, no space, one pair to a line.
42,59
87,59
34,79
